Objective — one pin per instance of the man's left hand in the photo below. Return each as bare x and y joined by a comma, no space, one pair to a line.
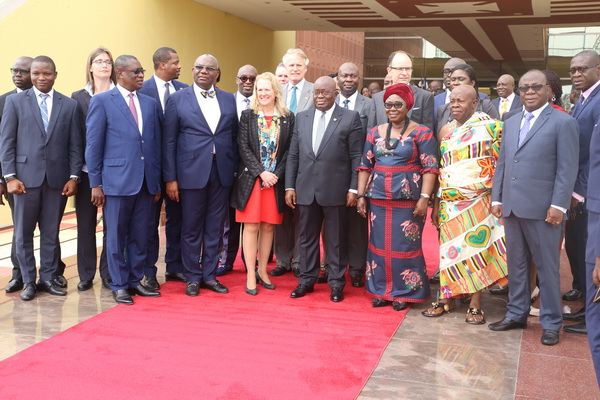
351,199
70,188
554,216
157,196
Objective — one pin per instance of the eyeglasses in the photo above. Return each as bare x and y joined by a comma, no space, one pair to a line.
102,62
135,71
581,70
397,105
535,88
244,78
208,69
401,69
324,92
447,71
19,71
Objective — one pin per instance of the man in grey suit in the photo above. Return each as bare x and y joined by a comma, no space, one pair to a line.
41,154
321,180
400,65
298,96
532,188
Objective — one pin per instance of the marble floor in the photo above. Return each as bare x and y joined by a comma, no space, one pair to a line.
428,358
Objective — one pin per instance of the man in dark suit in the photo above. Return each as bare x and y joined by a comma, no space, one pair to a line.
400,65
321,180
159,87
123,159
21,77
532,189
585,76
507,100
41,155
298,96
200,156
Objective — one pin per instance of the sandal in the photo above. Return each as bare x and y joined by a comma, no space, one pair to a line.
399,305
435,306
380,303
473,312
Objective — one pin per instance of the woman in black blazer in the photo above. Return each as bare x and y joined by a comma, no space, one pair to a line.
264,137
101,77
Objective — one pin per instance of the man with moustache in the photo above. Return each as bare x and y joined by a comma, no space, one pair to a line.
400,65
200,156
532,188
123,158
321,181
507,100
160,86
41,155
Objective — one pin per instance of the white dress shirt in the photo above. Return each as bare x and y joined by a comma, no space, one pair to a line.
299,87
49,100
241,104
125,93
161,86
351,103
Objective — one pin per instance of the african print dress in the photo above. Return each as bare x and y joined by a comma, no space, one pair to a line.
395,263
472,245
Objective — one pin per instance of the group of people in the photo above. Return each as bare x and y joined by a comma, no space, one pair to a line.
288,162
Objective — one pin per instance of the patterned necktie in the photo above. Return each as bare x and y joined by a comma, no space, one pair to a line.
346,103
167,93
44,110
133,109
208,94
320,132
504,106
247,101
525,128
293,100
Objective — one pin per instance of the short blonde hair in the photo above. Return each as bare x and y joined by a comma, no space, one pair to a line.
294,52
280,108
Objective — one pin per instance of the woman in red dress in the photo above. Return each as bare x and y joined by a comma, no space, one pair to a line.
264,137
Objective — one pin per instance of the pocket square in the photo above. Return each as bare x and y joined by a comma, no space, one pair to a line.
416,108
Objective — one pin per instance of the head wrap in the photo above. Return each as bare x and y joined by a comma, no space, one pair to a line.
403,90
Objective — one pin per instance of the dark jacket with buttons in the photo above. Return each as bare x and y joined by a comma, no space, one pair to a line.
250,164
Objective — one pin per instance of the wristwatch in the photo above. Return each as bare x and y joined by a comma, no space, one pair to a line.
425,195
10,178
76,179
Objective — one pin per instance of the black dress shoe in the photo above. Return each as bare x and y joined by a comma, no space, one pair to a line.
278,271
399,305
84,285
301,291
507,324
60,281
264,284
577,328
175,276
192,288
576,316
379,303
28,292
572,295
215,286
337,295
549,337
50,287
499,290
323,275
122,296
152,283
143,291
296,271
13,285
357,280
106,283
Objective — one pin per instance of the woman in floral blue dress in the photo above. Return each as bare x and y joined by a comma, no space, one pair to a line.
397,175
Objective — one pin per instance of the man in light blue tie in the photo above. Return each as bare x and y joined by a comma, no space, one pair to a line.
41,154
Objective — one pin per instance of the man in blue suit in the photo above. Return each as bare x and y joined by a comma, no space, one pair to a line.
585,76
123,158
200,156
160,86
41,155
532,188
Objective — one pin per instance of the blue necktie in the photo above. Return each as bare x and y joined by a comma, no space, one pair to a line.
525,128
44,110
293,101
346,103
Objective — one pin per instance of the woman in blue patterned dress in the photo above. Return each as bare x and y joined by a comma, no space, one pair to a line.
397,174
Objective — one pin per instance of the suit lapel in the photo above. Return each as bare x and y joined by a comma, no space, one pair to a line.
304,98
120,103
35,108
146,112
193,101
222,107
336,116
308,128
57,103
153,89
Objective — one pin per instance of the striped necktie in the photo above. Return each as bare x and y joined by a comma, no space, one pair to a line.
44,110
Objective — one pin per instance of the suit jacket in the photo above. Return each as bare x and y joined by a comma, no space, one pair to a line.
362,106
33,154
587,116
149,88
2,102
421,113
542,171
515,105
250,163
440,100
82,97
485,105
328,175
304,99
188,141
117,156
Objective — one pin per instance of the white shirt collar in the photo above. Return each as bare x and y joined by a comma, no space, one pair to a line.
124,92
88,87
198,90
37,93
352,99
587,93
160,83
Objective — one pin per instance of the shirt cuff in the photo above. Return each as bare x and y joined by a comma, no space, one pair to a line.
579,197
564,210
286,189
496,203
353,191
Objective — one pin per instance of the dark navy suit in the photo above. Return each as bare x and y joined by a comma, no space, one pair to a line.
203,163
172,208
127,166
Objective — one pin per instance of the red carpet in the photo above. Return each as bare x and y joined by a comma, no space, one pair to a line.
213,346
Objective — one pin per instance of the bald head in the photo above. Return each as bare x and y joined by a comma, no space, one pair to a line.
505,85
532,98
245,79
324,93
21,75
463,103
348,78
449,66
